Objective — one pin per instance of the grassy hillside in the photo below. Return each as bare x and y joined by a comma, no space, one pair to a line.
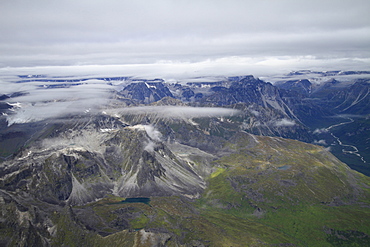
261,191
302,192
266,192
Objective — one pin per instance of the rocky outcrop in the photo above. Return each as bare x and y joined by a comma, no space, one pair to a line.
146,91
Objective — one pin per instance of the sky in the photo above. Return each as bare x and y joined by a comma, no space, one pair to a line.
211,36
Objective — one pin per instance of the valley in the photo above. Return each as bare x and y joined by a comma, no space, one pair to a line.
347,149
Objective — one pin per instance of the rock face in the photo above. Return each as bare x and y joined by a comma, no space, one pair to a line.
265,111
247,90
72,183
303,87
354,100
127,163
146,91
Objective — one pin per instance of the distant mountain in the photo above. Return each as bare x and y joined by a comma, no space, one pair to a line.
341,106
353,100
146,91
303,87
328,73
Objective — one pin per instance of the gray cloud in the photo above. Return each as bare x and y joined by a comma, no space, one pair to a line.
145,32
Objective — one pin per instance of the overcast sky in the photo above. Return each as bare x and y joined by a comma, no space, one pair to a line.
264,32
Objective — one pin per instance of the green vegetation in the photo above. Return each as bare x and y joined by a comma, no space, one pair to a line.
250,201
217,172
262,192
308,222
296,205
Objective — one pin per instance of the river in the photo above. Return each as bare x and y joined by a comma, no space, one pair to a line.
349,149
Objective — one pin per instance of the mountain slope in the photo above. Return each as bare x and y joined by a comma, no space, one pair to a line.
74,182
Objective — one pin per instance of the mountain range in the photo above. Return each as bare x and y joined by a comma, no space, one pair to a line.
227,161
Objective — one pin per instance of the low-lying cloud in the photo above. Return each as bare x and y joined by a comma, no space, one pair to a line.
177,112
40,102
320,142
320,131
284,123
154,136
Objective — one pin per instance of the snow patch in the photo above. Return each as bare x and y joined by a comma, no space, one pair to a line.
150,86
192,122
17,104
27,155
107,130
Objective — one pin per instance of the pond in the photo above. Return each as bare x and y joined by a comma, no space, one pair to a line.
144,200
286,167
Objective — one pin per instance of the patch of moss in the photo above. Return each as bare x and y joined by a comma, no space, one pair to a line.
80,166
217,172
139,222
307,222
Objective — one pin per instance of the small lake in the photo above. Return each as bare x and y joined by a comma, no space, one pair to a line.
135,200
286,167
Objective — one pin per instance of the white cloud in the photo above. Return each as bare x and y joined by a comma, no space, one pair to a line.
320,142
40,103
153,133
260,66
150,146
256,113
320,131
284,122
177,112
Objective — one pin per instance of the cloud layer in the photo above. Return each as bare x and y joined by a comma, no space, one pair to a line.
177,112
40,102
146,32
